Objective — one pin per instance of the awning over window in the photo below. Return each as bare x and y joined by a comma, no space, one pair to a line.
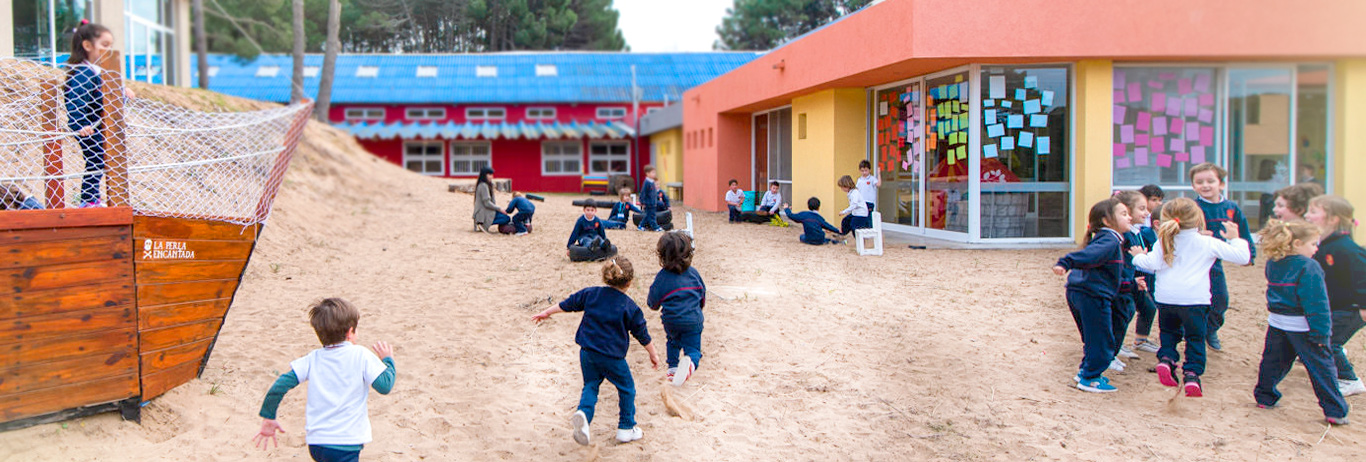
488,131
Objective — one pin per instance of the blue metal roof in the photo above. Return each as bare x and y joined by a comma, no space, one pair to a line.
488,131
581,77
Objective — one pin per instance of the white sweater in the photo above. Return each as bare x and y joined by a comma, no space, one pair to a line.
1186,280
857,207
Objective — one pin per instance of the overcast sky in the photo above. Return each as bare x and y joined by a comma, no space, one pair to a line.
670,25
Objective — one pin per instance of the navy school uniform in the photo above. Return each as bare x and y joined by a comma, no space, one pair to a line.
681,296
649,196
1299,326
813,227
525,209
586,232
1091,287
84,105
1126,300
1344,272
610,319
1145,309
621,215
1216,214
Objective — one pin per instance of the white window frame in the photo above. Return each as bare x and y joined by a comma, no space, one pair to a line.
561,156
484,113
609,157
441,154
542,109
451,156
486,71
365,113
609,116
547,70
424,113
427,71
367,72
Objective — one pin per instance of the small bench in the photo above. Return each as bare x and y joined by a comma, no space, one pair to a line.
594,184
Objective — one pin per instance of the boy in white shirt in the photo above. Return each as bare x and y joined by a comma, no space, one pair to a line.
867,184
771,203
338,423
856,215
734,197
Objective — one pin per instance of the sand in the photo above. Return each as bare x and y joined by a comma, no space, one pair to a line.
811,353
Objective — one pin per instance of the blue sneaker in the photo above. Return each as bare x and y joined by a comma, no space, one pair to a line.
1212,339
1096,385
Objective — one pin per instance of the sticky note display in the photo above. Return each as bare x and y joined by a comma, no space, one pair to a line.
1007,143
1038,121
1015,121
1045,145
1026,139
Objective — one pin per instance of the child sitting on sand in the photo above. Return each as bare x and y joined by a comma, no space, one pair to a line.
338,374
734,198
679,290
588,230
621,211
610,319
813,224
524,210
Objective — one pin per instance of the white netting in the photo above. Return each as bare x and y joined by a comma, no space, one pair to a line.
160,159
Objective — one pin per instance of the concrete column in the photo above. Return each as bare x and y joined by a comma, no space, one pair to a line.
835,132
6,28
183,42
1348,156
1092,177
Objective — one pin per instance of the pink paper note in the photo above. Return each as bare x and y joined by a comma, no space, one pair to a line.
1177,125
1141,139
1182,157
1177,145
1160,126
1206,136
1206,116
1119,96
1159,102
1192,131
1166,75
1119,79
1202,82
1155,84
1119,149
1206,99
1173,107
1120,112
1164,160
1157,144
1135,93
1183,86
1126,134
1198,154
1121,163
1144,118
1141,156
1191,108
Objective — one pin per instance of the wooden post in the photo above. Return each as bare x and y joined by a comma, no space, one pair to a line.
114,126
54,188
277,173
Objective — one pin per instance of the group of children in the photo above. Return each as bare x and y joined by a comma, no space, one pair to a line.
861,194
1316,286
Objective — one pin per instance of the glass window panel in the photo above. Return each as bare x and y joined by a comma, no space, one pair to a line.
1166,120
946,161
898,137
1311,124
1025,151
571,166
1259,138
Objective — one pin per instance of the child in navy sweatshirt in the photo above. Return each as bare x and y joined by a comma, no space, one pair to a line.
589,230
1091,288
610,319
84,98
524,209
1145,310
1299,323
1208,181
1344,267
813,224
680,292
621,211
1126,301
649,196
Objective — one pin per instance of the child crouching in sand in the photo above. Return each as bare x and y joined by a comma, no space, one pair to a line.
679,290
610,318
338,423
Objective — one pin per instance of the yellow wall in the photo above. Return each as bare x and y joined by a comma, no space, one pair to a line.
1349,139
669,146
836,131
1095,137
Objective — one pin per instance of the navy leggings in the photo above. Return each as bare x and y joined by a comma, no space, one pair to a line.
1092,315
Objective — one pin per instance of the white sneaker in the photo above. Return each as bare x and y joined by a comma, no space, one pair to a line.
1116,365
1351,387
685,369
580,423
1125,352
1147,345
627,436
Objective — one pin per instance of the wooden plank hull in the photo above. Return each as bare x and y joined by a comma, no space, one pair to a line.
100,307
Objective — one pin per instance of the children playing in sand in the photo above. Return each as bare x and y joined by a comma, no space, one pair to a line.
1344,267
1092,287
338,423
1299,322
1181,264
610,319
678,289
524,210
813,224
621,211
856,215
1208,180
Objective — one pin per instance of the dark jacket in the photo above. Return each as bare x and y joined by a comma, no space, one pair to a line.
521,205
1294,287
1096,268
1127,285
84,99
682,296
1344,271
583,227
813,225
1218,213
620,211
608,317
649,194
663,203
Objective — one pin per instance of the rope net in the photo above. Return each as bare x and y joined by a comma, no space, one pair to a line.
74,137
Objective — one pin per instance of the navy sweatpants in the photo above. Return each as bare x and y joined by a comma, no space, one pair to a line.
320,453
597,367
1121,313
1279,354
519,221
1345,324
1183,322
1145,309
1218,291
1092,315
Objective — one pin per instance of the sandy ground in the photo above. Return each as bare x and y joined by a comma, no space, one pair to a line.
810,353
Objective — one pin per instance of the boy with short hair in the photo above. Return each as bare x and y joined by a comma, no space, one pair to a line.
524,209
1208,181
588,230
734,197
338,423
772,201
813,224
649,197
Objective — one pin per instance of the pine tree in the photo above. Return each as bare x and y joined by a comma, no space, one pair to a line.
765,24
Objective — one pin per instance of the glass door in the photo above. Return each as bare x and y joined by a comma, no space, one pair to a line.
898,142
780,153
947,173
1260,150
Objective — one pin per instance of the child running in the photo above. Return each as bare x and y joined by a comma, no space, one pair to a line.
1091,288
1144,308
610,319
813,224
1344,268
525,209
1208,181
856,215
1131,286
1182,264
679,290
1299,322
338,422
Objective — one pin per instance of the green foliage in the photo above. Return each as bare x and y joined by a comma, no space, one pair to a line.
765,24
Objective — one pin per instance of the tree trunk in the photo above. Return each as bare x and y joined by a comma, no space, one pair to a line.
329,61
296,93
201,44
